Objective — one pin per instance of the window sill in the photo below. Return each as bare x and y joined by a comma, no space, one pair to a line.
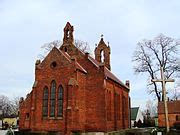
52,118
59,118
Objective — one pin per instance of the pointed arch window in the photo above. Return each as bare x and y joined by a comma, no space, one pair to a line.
53,99
45,102
102,56
60,101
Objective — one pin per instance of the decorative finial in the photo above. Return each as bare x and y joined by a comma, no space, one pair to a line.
102,35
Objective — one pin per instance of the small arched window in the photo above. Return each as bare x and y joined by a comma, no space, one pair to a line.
68,34
60,101
53,99
45,102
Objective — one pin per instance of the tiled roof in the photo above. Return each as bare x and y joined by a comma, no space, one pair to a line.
95,62
107,72
110,75
173,107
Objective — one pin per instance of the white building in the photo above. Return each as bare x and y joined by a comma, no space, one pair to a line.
136,115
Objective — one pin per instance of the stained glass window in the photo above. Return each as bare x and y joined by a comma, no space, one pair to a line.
60,101
53,99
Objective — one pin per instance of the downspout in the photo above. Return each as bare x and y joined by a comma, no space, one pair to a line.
129,112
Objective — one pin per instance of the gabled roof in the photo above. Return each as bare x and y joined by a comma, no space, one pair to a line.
68,58
78,66
68,36
55,49
111,76
95,62
134,112
107,72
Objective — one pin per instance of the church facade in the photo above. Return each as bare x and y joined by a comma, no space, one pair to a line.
75,93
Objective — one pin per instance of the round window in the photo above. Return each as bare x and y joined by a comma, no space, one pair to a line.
53,64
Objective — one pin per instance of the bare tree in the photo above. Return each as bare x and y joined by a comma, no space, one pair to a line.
151,107
5,105
8,106
15,105
150,55
176,93
83,46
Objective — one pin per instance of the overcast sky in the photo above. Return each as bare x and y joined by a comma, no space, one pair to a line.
25,25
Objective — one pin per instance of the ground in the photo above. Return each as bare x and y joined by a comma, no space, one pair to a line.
3,132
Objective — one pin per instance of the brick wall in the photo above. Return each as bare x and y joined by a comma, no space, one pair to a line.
173,113
85,99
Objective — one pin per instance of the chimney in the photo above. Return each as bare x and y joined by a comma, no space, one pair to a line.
127,83
86,55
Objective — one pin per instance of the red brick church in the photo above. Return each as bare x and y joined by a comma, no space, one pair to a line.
75,93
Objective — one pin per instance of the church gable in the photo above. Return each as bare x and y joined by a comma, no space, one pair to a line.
55,58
